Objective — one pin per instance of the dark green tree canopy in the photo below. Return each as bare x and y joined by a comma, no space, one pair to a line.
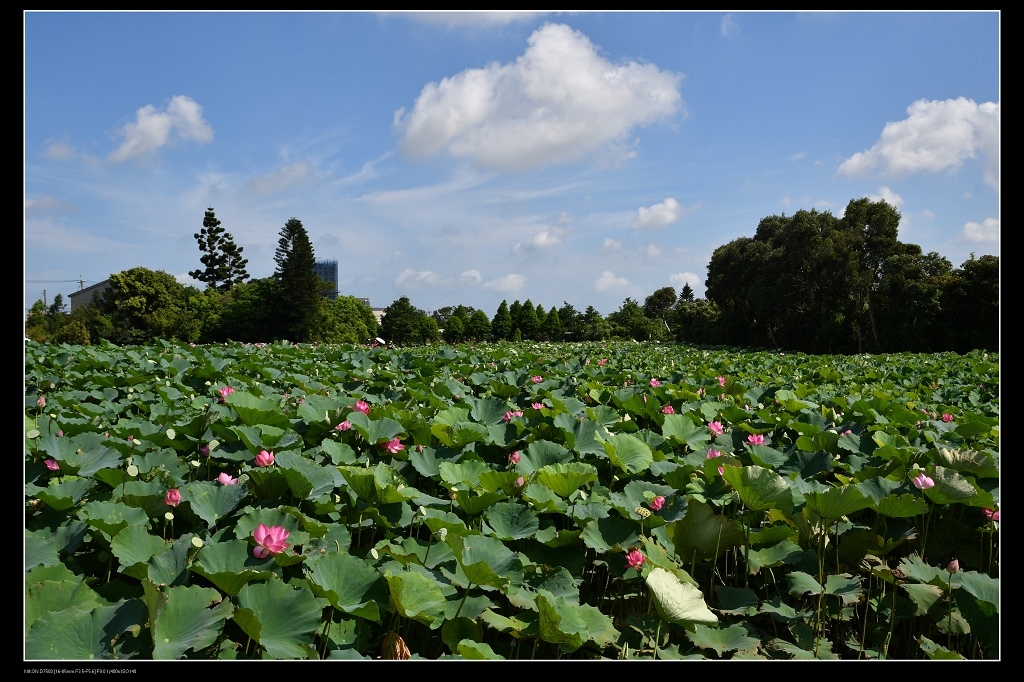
300,286
501,325
225,266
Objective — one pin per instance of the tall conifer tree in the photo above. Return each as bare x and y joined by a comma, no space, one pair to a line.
225,266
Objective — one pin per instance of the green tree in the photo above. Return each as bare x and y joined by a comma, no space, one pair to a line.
630,322
594,327
970,303
344,320
501,325
145,305
455,330
74,332
222,258
686,293
479,327
526,321
571,320
402,323
250,315
552,328
300,285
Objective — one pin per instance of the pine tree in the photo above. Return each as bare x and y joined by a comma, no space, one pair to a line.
225,266
501,325
300,286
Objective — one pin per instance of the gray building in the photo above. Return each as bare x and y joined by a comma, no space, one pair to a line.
327,270
83,297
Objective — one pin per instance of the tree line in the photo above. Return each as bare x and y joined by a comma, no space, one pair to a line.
810,282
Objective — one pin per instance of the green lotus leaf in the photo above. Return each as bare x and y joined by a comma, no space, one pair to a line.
802,583
211,501
760,489
511,521
39,550
462,628
281,618
230,564
55,588
134,547
182,618
477,651
628,452
844,586
375,430
466,472
611,534
485,560
522,625
733,638
835,503
542,453
252,410
110,518
565,479
64,493
350,584
561,622
702,534
678,602
306,479
417,596
77,635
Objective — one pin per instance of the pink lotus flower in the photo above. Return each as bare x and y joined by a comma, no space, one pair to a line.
954,566
991,515
270,540
204,450
172,498
947,417
41,402
510,415
714,453
756,439
224,393
343,426
264,459
658,502
226,479
668,409
537,406
635,558
655,383
520,482
721,381
922,481
514,458
60,433
537,379
603,361
362,406
716,428
393,446
52,465
721,471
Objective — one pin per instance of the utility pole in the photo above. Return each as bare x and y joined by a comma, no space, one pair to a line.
44,298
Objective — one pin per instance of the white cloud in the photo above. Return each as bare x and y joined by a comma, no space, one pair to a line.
473,276
887,195
658,215
507,284
935,136
609,283
559,102
152,128
410,276
986,231
610,244
282,179
651,250
545,239
678,279
728,25
59,151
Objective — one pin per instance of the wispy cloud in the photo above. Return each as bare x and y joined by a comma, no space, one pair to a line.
728,25
483,18
935,136
152,128
560,101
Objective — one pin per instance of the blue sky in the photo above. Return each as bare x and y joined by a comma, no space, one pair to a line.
467,158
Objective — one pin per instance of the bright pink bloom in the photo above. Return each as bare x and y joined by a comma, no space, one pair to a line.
721,381
41,402
954,566
226,479
362,406
537,379
991,515
172,498
655,383
658,502
721,471
537,406
343,426
635,559
922,481
52,465
714,453
755,439
393,446
224,393
520,482
514,458
512,414
264,459
668,409
947,417
603,361
716,428
270,540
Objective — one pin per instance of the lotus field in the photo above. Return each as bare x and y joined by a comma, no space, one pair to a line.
508,501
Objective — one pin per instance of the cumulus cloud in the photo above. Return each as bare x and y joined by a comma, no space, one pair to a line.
651,250
152,128
935,136
473,276
678,279
410,276
560,101
610,244
985,231
282,179
658,215
507,284
545,239
888,196
608,282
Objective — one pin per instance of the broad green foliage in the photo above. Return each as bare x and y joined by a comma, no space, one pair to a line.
440,503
